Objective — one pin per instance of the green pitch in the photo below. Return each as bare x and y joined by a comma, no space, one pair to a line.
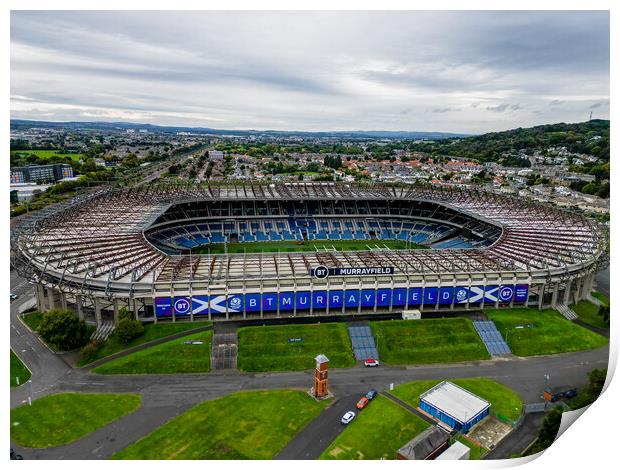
312,245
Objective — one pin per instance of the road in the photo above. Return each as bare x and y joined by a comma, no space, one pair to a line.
166,396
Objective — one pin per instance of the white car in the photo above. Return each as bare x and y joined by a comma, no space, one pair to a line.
370,362
13,297
348,417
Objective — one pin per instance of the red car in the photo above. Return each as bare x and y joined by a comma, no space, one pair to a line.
371,362
362,403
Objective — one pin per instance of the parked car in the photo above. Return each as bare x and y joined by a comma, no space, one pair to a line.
370,362
371,394
15,456
362,403
13,297
347,417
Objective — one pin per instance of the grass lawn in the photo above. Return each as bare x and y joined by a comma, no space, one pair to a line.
588,312
244,425
18,369
376,432
267,348
152,332
476,452
503,400
171,357
59,419
428,341
47,154
550,333
33,320
311,245
600,296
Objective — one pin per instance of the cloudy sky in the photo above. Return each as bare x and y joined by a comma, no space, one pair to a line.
426,71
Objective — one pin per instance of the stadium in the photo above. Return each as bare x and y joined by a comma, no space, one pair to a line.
303,249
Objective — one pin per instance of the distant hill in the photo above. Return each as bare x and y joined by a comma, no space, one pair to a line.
26,124
590,137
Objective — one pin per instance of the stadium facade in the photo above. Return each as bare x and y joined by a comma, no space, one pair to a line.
137,248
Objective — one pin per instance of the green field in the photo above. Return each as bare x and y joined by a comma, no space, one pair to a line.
267,348
152,332
49,154
171,357
33,320
18,370
377,432
244,425
504,401
312,245
600,296
588,312
550,333
428,341
60,419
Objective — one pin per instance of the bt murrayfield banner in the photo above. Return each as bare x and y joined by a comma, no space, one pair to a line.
337,299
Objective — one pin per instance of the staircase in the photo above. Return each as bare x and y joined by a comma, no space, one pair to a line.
491,338
363,342
224,351
567,312
102,332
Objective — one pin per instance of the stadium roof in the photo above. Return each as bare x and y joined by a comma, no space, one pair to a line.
455,401
98,241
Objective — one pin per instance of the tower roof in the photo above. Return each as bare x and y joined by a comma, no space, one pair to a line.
321,358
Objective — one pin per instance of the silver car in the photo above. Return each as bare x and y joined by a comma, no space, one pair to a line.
348,417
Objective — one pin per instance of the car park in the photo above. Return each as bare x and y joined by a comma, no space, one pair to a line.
361,403
347,417
370,362
371,394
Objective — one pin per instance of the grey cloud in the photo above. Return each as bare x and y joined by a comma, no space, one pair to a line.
599,104
312,70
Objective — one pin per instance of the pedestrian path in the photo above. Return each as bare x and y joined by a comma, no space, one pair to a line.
491,338
363,343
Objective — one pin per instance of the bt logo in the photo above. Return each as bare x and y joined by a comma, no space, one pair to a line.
321,272
505,293
182,305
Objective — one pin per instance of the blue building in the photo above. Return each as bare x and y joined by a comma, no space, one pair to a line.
454,406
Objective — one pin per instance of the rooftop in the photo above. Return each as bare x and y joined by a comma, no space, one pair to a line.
455,401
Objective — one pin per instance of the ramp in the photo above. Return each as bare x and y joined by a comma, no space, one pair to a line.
363,343
491,338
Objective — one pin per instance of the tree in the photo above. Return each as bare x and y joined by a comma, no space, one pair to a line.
591,392
128,329
63,330
603,311
548,431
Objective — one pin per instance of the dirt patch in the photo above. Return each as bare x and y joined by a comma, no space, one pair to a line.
489,432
